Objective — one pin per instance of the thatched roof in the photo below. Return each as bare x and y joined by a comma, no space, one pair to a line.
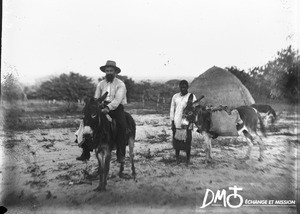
220,87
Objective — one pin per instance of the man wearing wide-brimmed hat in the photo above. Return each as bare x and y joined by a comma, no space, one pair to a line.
115,100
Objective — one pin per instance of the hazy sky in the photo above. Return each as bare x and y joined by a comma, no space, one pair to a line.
147,38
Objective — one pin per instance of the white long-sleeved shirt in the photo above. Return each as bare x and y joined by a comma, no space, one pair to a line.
116,92
178,104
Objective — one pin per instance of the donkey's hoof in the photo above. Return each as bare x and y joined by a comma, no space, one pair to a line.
134,176
187,163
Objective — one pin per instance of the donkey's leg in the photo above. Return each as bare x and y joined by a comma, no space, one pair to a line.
177,151
121,170
131,153
106,169
121,160
188,146
265,121
100,170
207,141
103,156
261,145
249,139
188,156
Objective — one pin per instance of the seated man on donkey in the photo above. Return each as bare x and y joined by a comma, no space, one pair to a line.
115,101
182,135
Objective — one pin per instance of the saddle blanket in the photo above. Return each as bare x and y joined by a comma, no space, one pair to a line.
224,124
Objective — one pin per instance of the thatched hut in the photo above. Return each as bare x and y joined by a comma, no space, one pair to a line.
220,87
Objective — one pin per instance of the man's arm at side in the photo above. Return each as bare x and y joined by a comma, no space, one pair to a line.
120,95
172,108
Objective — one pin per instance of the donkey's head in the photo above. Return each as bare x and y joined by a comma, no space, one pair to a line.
197,114
190,111
92,114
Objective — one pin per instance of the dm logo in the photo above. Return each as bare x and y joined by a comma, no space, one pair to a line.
221,195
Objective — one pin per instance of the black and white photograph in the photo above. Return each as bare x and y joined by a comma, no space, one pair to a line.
148,106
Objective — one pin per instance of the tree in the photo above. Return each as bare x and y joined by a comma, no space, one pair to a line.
11,88
282,75
173,83
252,80
292,86
147,91
244,77
130,85
70,87
278,79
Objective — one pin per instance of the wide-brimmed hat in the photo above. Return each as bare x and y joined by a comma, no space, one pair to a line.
110,63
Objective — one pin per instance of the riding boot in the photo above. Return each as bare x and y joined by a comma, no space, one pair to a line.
85,155
85,151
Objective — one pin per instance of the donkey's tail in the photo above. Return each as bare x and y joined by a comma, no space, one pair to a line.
131,126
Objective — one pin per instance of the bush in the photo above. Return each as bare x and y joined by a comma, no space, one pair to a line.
67,87
12,120
11,89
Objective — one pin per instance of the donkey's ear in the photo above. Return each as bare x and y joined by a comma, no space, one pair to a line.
100,99
190,100
197,102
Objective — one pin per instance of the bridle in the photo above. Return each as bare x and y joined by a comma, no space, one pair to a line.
192,111
97,124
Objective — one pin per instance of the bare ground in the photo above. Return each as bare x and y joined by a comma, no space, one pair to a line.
39,172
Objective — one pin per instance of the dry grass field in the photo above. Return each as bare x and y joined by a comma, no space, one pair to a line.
39,173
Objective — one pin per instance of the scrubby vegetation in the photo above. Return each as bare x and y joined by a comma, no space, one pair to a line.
276,82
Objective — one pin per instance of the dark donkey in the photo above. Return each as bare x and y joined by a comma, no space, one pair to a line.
101,131
247,125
